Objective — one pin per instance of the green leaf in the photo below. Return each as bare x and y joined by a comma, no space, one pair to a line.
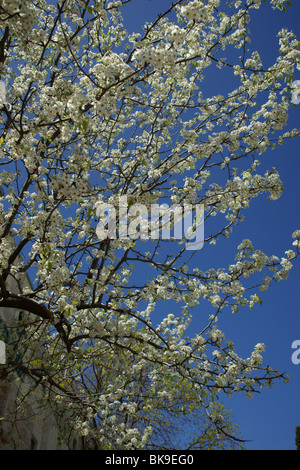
85,125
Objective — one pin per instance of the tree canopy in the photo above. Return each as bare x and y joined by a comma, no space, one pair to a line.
92,113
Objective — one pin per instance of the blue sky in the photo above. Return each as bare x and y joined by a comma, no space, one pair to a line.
269,420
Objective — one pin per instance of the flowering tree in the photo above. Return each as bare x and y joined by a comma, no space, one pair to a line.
92,113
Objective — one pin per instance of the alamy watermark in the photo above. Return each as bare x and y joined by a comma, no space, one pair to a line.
2,353
135,221
296,92
3,100
296,353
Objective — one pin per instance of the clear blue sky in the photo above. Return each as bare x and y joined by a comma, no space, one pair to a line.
268,421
